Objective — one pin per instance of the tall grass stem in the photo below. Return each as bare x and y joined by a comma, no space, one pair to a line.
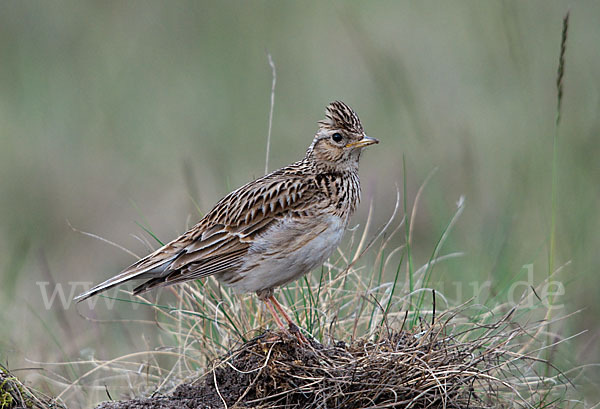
559,96
273,82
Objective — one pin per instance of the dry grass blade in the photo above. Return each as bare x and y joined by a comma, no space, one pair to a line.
427,366
274,81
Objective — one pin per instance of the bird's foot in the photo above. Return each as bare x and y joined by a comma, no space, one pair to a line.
295,330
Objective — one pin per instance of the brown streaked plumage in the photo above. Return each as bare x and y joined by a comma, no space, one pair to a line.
272,230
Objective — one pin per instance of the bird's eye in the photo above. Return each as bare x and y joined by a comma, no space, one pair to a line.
337,137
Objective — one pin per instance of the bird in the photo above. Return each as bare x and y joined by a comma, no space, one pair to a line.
272,230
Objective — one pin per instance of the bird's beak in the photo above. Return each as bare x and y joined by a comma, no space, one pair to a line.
365,141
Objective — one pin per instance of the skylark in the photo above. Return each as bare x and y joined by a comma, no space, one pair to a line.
272,230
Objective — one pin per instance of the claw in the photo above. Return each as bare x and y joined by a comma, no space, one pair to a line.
294,330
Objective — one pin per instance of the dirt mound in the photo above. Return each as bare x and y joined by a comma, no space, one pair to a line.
400,369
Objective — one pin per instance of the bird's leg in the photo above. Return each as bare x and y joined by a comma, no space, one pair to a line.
293,328
274,314
281,310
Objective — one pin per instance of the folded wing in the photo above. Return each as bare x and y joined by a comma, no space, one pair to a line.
220,241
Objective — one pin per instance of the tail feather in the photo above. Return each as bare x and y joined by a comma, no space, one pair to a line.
132,272
108,284
149,285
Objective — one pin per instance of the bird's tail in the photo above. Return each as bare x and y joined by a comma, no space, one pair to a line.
139,270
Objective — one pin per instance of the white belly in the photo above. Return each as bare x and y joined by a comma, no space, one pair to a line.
289,250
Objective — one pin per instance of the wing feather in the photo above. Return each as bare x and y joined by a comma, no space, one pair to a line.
220,241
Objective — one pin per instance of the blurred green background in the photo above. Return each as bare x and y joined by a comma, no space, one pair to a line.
115,112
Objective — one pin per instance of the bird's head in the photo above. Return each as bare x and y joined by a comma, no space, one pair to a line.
340,138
